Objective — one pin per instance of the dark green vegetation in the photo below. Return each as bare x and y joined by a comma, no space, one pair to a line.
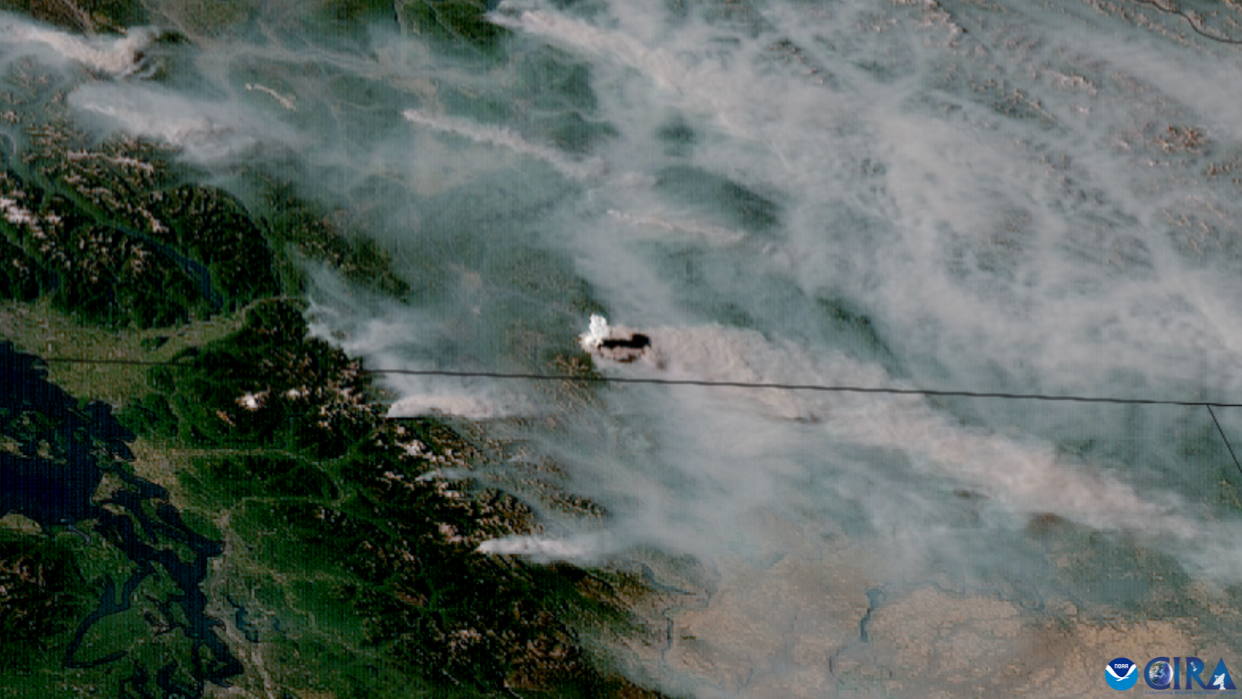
678,138
116,237
82,15
347,20
341,547
119,236
102,274
308,396
451,23
296,542
854,330
22,279
42,593
307,233
740,206
48,590
231,478
347,566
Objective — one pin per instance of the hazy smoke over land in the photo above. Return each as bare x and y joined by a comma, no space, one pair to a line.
114,56
859,193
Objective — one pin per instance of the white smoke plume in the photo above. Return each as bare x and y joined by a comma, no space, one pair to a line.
116,56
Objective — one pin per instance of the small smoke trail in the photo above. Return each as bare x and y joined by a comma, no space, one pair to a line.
713,234
506,138
667,72
285,101
536,547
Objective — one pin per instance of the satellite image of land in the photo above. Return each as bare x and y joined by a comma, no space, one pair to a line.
620,348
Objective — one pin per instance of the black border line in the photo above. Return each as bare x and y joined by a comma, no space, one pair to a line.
1222,436
723,384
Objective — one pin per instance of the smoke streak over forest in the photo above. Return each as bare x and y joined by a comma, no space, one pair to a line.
997,197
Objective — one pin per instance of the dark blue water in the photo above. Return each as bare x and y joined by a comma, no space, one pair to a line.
64,450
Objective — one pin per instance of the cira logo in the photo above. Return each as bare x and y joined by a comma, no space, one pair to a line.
1172,673
1121,673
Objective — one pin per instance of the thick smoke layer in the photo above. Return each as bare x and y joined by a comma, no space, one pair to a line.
1020,197
119,57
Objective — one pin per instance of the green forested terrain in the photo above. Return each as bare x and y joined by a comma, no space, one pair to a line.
337,563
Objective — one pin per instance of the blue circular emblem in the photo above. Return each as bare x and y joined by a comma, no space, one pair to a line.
1159,673
1121,673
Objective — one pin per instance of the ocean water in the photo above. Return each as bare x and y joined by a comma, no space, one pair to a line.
1021,197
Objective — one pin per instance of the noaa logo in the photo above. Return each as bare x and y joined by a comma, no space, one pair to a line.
1121,673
